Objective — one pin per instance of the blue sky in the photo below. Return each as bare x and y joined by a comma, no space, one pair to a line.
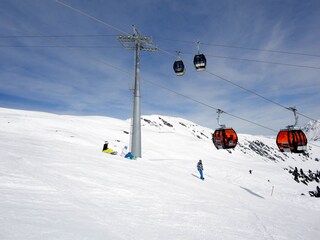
92,75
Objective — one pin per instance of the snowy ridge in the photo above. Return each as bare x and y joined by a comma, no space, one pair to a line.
55,183
312,130
255,146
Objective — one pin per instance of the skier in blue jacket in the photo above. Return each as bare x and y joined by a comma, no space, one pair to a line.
200,169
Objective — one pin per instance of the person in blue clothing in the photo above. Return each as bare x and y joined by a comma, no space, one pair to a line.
200,169
129,155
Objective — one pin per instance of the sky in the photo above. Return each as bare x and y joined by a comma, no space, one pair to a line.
262,57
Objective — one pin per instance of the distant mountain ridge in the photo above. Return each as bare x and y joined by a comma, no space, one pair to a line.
312,130
264,147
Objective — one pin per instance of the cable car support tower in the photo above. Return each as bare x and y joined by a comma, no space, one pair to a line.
136,42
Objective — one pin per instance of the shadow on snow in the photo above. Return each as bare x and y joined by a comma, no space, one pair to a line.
253,193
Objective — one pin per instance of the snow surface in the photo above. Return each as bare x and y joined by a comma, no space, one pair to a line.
55,183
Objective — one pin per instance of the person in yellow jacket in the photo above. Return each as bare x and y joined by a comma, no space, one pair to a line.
106,149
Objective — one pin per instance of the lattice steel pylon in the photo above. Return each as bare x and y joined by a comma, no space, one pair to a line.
138,43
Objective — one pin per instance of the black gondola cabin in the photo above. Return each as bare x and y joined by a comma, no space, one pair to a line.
200,62
225,138
178,67
292,140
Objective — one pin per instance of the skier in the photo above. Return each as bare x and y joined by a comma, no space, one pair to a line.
200,169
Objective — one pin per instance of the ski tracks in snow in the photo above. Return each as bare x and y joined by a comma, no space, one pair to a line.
259,225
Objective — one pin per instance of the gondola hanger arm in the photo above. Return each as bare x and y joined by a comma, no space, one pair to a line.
294,110
219,111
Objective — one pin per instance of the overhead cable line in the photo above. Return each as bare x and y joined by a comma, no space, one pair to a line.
255,60
167,52
56,46
91,17
243,88
257,94
250,91
208,55
262,61
90,57
59,36
104,35
264,50
206,105
245,48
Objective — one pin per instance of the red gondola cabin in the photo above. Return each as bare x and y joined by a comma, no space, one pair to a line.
292,140
225,138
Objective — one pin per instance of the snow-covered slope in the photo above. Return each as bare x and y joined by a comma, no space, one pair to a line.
55,183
